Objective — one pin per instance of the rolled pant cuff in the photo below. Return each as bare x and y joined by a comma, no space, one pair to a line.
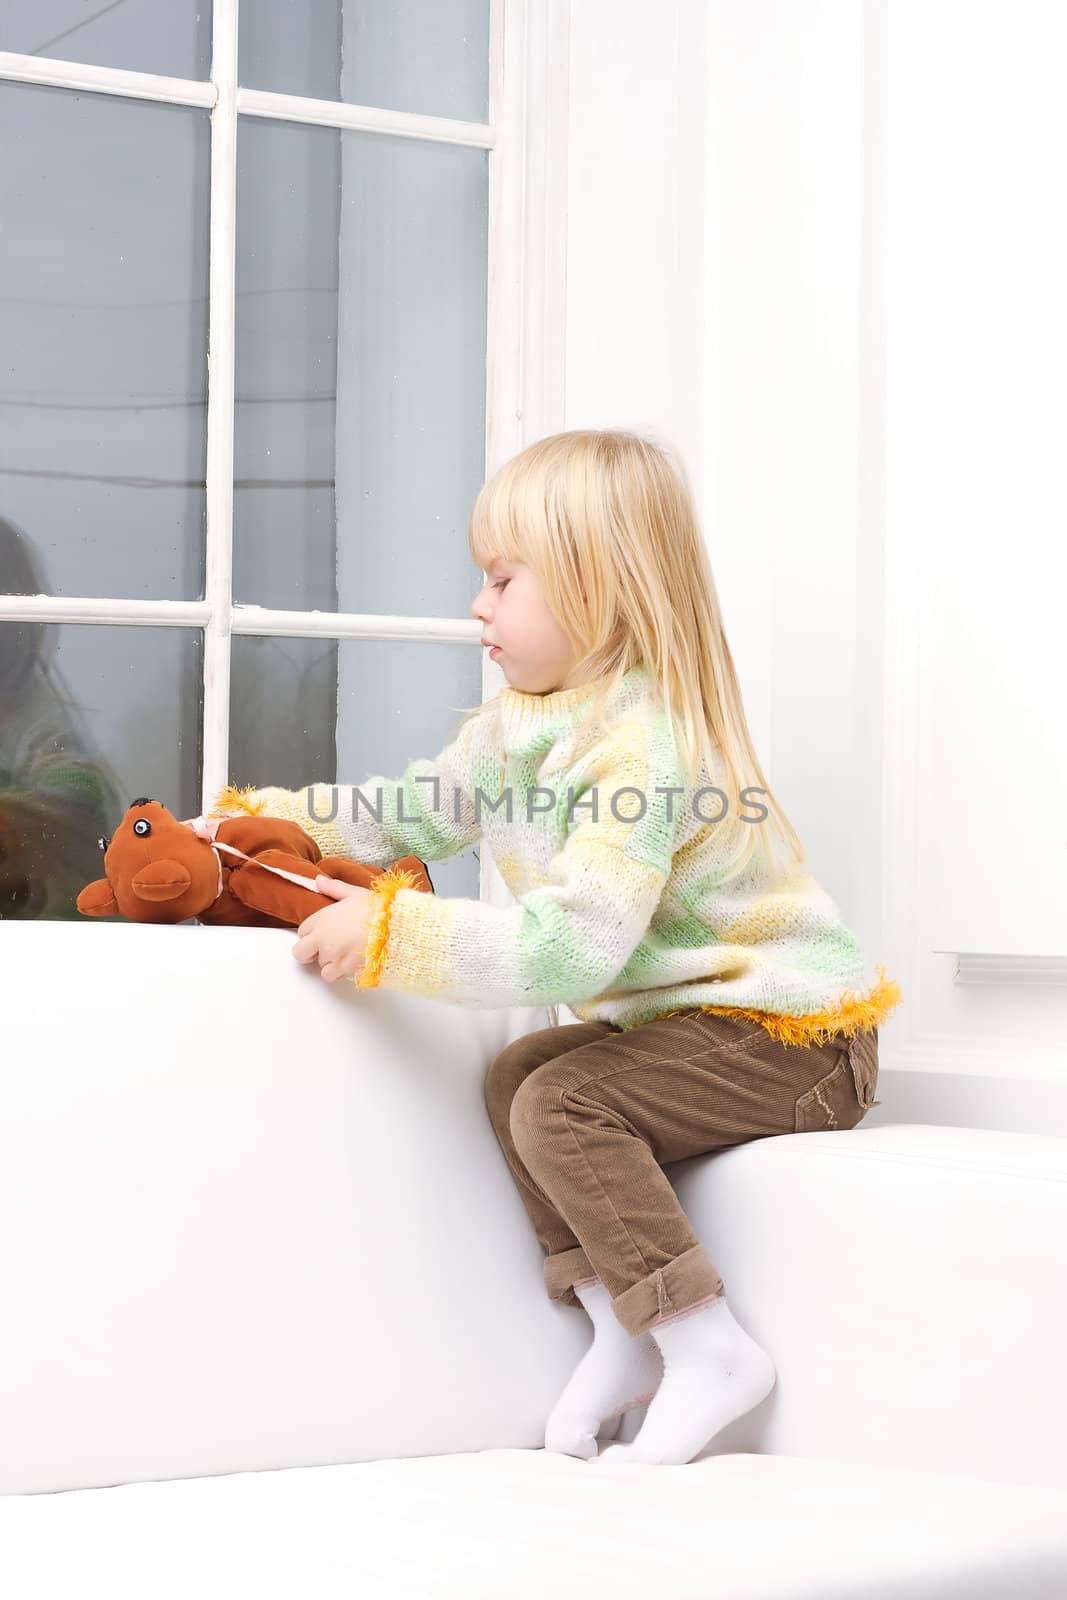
680,1286
564,1270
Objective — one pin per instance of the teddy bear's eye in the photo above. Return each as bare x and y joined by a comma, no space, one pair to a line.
103,843
142,826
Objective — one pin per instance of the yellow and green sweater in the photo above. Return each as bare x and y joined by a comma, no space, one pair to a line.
625,909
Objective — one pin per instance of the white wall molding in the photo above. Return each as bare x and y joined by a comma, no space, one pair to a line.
973,966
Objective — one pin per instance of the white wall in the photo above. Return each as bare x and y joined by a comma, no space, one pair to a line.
713,298
807,244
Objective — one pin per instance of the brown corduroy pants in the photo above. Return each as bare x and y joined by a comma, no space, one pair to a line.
586,1114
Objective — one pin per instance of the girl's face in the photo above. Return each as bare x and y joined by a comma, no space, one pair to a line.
534,652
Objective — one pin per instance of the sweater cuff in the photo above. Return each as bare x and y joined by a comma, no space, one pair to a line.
380,950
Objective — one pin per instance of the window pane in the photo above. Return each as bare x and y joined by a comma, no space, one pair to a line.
103,326
360,431
343,710
91,717
170,37
428,56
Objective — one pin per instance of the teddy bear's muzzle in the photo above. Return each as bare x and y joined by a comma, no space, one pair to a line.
161,880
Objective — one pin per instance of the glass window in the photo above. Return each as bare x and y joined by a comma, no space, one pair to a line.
103,387
168,37
359,428
343,710
426,56
360,369
91,718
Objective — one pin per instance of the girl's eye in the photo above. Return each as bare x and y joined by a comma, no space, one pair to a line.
500,584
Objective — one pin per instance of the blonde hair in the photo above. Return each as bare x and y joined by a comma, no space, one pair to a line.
611,513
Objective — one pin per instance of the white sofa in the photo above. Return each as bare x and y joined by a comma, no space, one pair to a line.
274,1318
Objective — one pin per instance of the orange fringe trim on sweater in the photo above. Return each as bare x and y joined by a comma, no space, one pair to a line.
385,886
855,1014
242,799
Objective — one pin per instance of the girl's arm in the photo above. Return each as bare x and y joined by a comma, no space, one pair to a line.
428,811
564,941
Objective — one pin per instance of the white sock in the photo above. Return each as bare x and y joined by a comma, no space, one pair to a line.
617,1373
713,1372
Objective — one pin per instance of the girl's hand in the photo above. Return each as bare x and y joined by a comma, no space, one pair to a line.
336,936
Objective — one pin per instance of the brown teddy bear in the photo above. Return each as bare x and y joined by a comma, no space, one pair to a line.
252,874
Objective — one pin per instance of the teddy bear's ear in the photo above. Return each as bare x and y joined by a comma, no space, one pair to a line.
97,900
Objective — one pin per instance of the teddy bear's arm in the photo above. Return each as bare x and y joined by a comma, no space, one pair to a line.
254,835
273,896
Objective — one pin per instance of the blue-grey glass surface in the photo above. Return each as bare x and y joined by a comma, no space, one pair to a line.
427,56
92,717
103,331
360,368
343,710
169,37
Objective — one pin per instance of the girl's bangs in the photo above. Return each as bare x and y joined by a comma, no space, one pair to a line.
491,535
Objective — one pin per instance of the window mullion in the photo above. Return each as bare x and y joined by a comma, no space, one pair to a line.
245,619
220,400
264,621
363,119
52,74
102,609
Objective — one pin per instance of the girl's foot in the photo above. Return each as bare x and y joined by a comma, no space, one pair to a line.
713,1373
616,1374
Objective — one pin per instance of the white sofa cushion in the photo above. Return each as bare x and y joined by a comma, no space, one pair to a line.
528,1524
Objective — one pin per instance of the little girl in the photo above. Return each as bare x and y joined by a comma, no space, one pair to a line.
660,892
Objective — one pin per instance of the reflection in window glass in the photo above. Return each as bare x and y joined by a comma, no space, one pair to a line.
168,37
342,710
426,56
360,428
103,326
91,717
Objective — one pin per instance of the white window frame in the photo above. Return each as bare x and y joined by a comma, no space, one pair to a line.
526,137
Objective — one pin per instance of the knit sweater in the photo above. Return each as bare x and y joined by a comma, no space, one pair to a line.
625,907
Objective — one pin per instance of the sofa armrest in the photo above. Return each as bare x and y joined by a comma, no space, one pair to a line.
249,1216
